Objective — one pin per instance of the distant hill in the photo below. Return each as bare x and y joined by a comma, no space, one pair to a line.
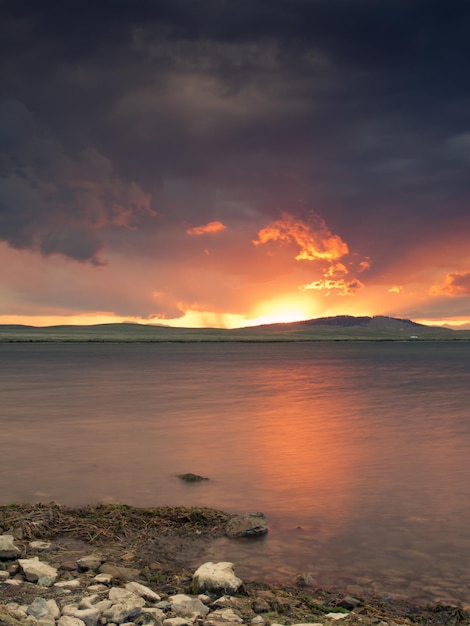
378,322
338,328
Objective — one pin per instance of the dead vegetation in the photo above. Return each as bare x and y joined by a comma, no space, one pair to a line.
110,522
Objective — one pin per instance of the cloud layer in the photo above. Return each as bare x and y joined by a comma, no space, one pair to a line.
207,155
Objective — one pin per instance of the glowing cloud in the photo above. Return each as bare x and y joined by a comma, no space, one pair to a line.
316,242
341,287
209,228
455,284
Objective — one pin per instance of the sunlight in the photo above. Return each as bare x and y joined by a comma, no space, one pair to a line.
283,310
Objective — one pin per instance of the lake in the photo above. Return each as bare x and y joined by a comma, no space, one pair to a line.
358,453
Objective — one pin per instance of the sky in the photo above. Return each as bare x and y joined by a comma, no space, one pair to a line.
233,162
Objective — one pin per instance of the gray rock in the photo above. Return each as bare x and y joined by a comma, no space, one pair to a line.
124,611
248,525
186,606
216,577
35,571
8,550
38,608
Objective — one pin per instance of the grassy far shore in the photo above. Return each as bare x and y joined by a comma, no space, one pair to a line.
166,543
292,332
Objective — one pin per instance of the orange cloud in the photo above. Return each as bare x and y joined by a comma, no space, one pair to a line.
316,242
455,284
209,228
341,287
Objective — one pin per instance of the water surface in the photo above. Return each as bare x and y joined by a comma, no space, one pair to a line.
356,452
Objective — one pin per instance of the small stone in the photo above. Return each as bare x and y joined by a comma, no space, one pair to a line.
68,620
121,573
68,584
54,610
90,562
143,592
336,615
40,546
260,605
105,579
349,603
258,620
13,582
4,576
304,579
177,621
38,608
89,616
8,550
225,615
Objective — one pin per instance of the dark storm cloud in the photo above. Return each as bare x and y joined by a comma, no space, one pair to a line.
356,108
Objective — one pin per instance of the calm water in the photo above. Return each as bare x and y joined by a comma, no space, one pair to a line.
357,453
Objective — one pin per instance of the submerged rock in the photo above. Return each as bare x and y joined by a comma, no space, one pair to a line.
191,478
248,525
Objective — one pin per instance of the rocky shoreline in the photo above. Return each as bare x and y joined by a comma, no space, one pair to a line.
104,565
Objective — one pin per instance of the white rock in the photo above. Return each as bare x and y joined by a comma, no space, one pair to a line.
67,620
54,610
17,610
216,577
8,550
117,594
336,615
142,591
105,579
69,609
35,570
46,621
177,621
68,584
225,615
87,602
12,581
186,606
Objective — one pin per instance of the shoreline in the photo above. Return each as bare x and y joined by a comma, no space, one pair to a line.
163,547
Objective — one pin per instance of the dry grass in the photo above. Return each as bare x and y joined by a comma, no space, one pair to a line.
112,522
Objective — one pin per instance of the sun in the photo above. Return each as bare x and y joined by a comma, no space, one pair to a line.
282,311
